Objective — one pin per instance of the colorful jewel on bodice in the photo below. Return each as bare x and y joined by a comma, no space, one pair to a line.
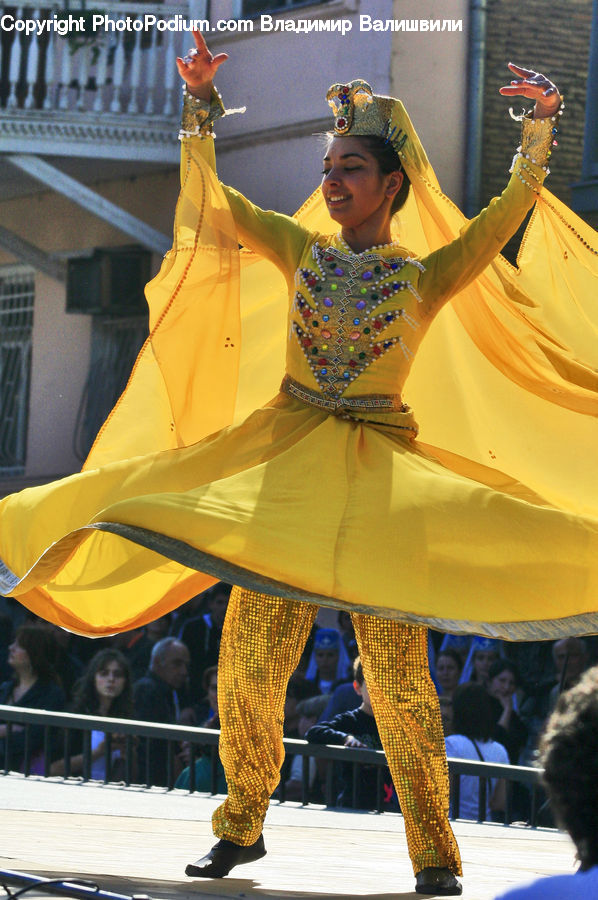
350,335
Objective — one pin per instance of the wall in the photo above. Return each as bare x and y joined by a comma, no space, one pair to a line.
58,370
429,72
554,39
61,340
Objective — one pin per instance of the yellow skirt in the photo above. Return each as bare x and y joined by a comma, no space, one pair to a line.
299,503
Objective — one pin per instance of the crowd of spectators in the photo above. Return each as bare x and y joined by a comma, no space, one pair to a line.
495,697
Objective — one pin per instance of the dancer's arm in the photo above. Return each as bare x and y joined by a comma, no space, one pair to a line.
449,269
273,235
338,730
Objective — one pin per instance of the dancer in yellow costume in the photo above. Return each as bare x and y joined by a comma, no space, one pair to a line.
323,494
349,295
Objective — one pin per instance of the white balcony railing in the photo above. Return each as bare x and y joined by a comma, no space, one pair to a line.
116,69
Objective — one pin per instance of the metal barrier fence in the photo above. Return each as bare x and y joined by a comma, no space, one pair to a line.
43,737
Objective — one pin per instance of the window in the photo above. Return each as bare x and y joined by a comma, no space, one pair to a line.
115,343
17,291
255,7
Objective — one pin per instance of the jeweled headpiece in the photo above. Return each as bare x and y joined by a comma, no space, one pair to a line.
358,111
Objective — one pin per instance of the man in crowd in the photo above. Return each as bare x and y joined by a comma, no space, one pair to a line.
202,635
571,659
160,696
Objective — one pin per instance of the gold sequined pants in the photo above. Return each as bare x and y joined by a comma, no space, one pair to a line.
262,641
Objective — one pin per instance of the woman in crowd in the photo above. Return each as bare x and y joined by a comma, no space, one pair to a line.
503,681
106,689
510,730
483,652
35,684
329,664
204,714
472,738
449,666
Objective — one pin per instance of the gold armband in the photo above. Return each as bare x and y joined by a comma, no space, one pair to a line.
538,137
198,116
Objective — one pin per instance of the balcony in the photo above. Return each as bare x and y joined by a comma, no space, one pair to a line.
107,89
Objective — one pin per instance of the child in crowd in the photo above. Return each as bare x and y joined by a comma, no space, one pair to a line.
329,664
309,711
569,757
356,728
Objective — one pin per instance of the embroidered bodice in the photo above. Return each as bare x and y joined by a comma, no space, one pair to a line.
356,320
349,310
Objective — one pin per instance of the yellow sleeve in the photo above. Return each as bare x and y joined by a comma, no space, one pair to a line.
199,146
278,238
450,268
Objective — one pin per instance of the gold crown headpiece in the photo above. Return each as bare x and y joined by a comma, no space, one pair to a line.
358,111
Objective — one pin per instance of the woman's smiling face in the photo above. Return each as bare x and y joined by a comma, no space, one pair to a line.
353,186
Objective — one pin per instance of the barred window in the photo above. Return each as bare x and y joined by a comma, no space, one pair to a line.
115,343
17,292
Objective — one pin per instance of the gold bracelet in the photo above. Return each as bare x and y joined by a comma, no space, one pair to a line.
198,116
538,137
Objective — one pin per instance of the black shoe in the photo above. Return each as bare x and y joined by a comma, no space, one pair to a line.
439,882
223,857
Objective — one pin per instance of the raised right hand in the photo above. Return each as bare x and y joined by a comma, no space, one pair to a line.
199,67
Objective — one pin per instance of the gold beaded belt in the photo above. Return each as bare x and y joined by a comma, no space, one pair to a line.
346,407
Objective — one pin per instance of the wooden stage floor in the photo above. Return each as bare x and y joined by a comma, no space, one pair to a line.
138,841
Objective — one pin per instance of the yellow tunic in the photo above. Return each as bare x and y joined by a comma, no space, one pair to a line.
322,493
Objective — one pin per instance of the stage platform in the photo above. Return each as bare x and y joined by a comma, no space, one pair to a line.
138,841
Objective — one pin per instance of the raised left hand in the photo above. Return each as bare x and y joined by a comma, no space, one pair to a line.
199,67
536,87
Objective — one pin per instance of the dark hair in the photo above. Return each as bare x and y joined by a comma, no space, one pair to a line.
42,650
86,700
504,665
207,677
473,712
452,654
313,707
220,589
358,670
388,161
569,754
299,688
